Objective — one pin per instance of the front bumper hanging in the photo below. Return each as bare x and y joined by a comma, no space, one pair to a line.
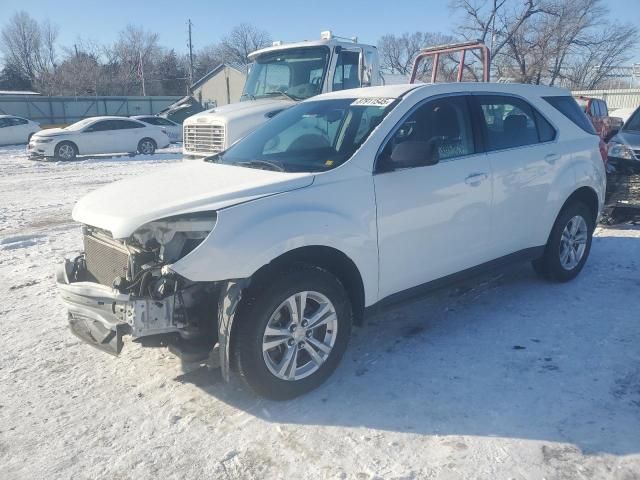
101,315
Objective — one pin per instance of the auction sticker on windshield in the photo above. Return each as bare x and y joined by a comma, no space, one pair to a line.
374,101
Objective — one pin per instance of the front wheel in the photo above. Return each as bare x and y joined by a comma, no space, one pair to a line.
569,244
146,146
291,335
66,151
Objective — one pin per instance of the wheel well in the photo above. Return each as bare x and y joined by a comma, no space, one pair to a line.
330,259
588,196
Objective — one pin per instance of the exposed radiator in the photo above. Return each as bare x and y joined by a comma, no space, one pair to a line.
105,260
204,138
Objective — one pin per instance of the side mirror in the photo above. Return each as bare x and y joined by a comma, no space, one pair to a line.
414,154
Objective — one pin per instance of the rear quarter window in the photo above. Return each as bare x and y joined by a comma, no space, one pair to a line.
570,109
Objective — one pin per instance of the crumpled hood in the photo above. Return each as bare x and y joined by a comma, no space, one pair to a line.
124,206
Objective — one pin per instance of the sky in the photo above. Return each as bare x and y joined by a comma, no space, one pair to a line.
285,20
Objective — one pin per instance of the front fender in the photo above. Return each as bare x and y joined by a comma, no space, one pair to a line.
251,235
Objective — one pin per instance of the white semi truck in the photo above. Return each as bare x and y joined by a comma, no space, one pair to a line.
280,76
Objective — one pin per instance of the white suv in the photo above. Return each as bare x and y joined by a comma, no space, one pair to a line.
274,248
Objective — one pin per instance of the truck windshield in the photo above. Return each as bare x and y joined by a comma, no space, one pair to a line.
312,136
297,73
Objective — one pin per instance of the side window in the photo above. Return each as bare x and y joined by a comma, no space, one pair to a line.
594,109
570,108
17,121
546,132
509,122
604,110
442,125
4,122
126,124
346,75
99,126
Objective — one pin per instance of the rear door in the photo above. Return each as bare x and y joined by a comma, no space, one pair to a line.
127,134
432,220
524,157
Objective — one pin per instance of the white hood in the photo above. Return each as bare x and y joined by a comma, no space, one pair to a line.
50,132
124,206
240,110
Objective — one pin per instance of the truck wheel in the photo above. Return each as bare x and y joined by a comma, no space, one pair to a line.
291,334
569,244
66,151
147,146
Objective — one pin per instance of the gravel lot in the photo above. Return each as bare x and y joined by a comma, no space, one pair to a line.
505,377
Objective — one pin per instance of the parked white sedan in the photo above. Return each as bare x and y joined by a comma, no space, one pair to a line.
174,130
98,135
15,130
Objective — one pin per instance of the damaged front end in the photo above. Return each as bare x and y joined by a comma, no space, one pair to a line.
126,287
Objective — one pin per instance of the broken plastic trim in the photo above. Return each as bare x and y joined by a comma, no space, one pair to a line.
230,297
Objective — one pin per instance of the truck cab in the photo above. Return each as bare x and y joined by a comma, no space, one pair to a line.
279,77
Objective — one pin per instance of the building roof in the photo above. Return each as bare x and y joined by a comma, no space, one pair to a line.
214,72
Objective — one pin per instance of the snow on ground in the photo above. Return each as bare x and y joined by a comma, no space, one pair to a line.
504,377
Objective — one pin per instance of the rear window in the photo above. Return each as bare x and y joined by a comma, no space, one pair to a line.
570,109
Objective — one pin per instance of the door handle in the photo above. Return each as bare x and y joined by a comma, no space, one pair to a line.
475,179
551,158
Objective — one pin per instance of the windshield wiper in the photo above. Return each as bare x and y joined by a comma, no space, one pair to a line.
284,94
263,163
250,95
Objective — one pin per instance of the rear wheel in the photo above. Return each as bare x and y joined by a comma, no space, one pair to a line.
291,336
569,244
66,151
147,146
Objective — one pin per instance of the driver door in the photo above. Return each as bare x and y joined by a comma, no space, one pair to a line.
432,220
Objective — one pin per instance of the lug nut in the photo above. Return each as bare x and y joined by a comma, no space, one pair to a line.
305,323
290,342
292,328
309,332
301,345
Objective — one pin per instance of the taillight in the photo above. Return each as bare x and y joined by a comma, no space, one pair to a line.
604,151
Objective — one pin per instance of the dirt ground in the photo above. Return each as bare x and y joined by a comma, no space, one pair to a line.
504,377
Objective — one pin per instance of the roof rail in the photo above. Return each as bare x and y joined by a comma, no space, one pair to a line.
437,51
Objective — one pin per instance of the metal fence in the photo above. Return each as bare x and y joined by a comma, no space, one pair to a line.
66,110
620,98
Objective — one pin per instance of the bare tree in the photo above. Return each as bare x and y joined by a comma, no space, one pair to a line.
549,41
28,46
398,52
133,54
241,41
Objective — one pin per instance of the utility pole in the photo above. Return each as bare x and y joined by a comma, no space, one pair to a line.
189,23
141,72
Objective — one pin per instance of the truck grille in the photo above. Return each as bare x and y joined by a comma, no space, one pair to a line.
204,138
105,260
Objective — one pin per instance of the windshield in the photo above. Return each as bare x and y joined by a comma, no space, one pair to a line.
297,73
81,124
313,136
633,124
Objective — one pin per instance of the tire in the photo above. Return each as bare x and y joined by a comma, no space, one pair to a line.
566,253
268,305
147,146
66,151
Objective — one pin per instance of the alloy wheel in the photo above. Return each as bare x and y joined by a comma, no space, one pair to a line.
300,335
